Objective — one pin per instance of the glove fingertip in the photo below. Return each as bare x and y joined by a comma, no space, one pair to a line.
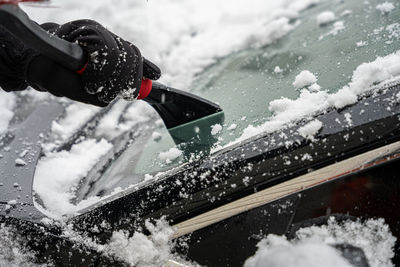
150,70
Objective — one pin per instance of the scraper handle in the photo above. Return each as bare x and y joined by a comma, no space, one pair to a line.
15,20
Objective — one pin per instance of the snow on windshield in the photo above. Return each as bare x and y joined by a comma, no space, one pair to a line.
181,41
310,101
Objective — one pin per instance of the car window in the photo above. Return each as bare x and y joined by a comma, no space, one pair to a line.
245,82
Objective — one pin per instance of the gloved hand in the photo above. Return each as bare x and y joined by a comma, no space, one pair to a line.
115,67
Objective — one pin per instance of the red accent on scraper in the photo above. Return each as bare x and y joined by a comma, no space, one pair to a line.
145,88
81,71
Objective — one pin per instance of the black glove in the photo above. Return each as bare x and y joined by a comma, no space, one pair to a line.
115,67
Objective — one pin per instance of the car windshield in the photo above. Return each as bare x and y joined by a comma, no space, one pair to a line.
328,42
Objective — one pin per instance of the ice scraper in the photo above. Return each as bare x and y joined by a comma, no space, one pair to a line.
187,117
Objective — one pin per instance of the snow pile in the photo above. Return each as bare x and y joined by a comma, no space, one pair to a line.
385,7
137,249
311,246
310,129
325,18
305,78
59,173
364,77
143,250
171,155
7,103
278,252
368,236
287,111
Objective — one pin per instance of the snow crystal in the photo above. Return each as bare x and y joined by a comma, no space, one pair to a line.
310,129
156,136
346,13
304,79
232,127
361,43
337,27
12,202
216,129
170,155
349,121
20,162
277,69
385,7
306,156
325,18
58,173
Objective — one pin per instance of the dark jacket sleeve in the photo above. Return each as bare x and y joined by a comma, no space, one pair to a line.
13,59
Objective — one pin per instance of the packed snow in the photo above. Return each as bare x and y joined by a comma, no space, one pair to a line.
325,18
59,173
